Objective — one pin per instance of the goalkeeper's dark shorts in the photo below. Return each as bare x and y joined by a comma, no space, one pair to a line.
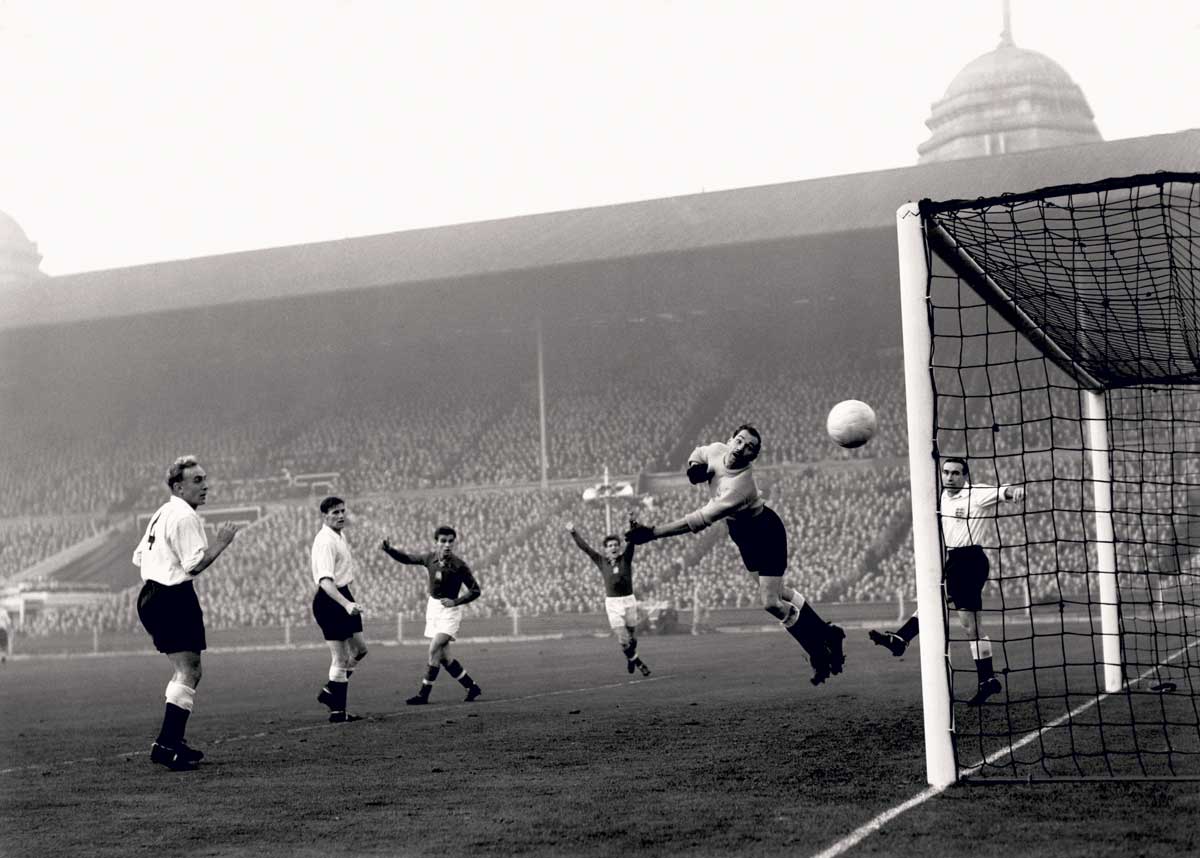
966,573
172,616
335,623
762,541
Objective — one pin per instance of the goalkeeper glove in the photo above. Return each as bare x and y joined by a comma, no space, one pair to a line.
639,534
697,473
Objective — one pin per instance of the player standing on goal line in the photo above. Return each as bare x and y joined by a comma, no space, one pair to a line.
172,552
448,575
759,534
334,608
966,569
616,567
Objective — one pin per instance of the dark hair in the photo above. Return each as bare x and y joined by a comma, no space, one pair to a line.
757,437
751,430
445,530
330,502
175,472
960,460
612,537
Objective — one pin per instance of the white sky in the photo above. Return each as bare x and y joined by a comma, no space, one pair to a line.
139,131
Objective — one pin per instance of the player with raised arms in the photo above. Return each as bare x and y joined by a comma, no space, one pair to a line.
448,576
759,534
616,568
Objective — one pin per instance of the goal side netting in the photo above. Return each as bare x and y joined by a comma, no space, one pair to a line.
1052,339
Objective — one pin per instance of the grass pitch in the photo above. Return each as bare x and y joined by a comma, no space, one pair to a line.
725,750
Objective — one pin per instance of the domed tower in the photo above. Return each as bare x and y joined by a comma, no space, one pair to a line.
19,257
1008,100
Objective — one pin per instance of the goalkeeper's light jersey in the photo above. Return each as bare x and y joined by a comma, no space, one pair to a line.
964,511
734,494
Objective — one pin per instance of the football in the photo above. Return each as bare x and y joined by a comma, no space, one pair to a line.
851,423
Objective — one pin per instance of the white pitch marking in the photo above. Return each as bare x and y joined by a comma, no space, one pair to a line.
887,816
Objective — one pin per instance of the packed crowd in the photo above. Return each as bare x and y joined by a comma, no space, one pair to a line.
516,541
628,398
24,542
790,406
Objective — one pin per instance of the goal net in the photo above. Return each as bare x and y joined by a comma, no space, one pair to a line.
1052,339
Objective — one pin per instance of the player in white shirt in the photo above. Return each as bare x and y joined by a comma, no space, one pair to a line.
963,509
334,608
172,552
759,534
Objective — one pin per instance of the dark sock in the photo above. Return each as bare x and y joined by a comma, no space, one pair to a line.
456,671
985,669
910,629
173,726
431,674
810,631
338,690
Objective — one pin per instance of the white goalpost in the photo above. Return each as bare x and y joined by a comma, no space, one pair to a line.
1052,338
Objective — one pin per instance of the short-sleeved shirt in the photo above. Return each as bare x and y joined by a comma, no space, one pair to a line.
733,493
617,574
964,510
447,576
173,544
332,558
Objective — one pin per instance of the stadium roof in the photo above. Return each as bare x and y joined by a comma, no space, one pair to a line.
770,213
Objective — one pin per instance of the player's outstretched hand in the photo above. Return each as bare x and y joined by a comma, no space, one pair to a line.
570,527
385,546
1015,493
639,535
226,532
697,473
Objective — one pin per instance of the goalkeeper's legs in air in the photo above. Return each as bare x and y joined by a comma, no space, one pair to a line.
897,642
762,542
821,640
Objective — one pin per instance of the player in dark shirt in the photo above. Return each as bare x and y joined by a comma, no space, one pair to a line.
448,576
616,568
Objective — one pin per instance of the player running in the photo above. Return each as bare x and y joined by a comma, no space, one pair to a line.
616,568
448,575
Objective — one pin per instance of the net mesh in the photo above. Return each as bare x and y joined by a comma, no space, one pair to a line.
1036,302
